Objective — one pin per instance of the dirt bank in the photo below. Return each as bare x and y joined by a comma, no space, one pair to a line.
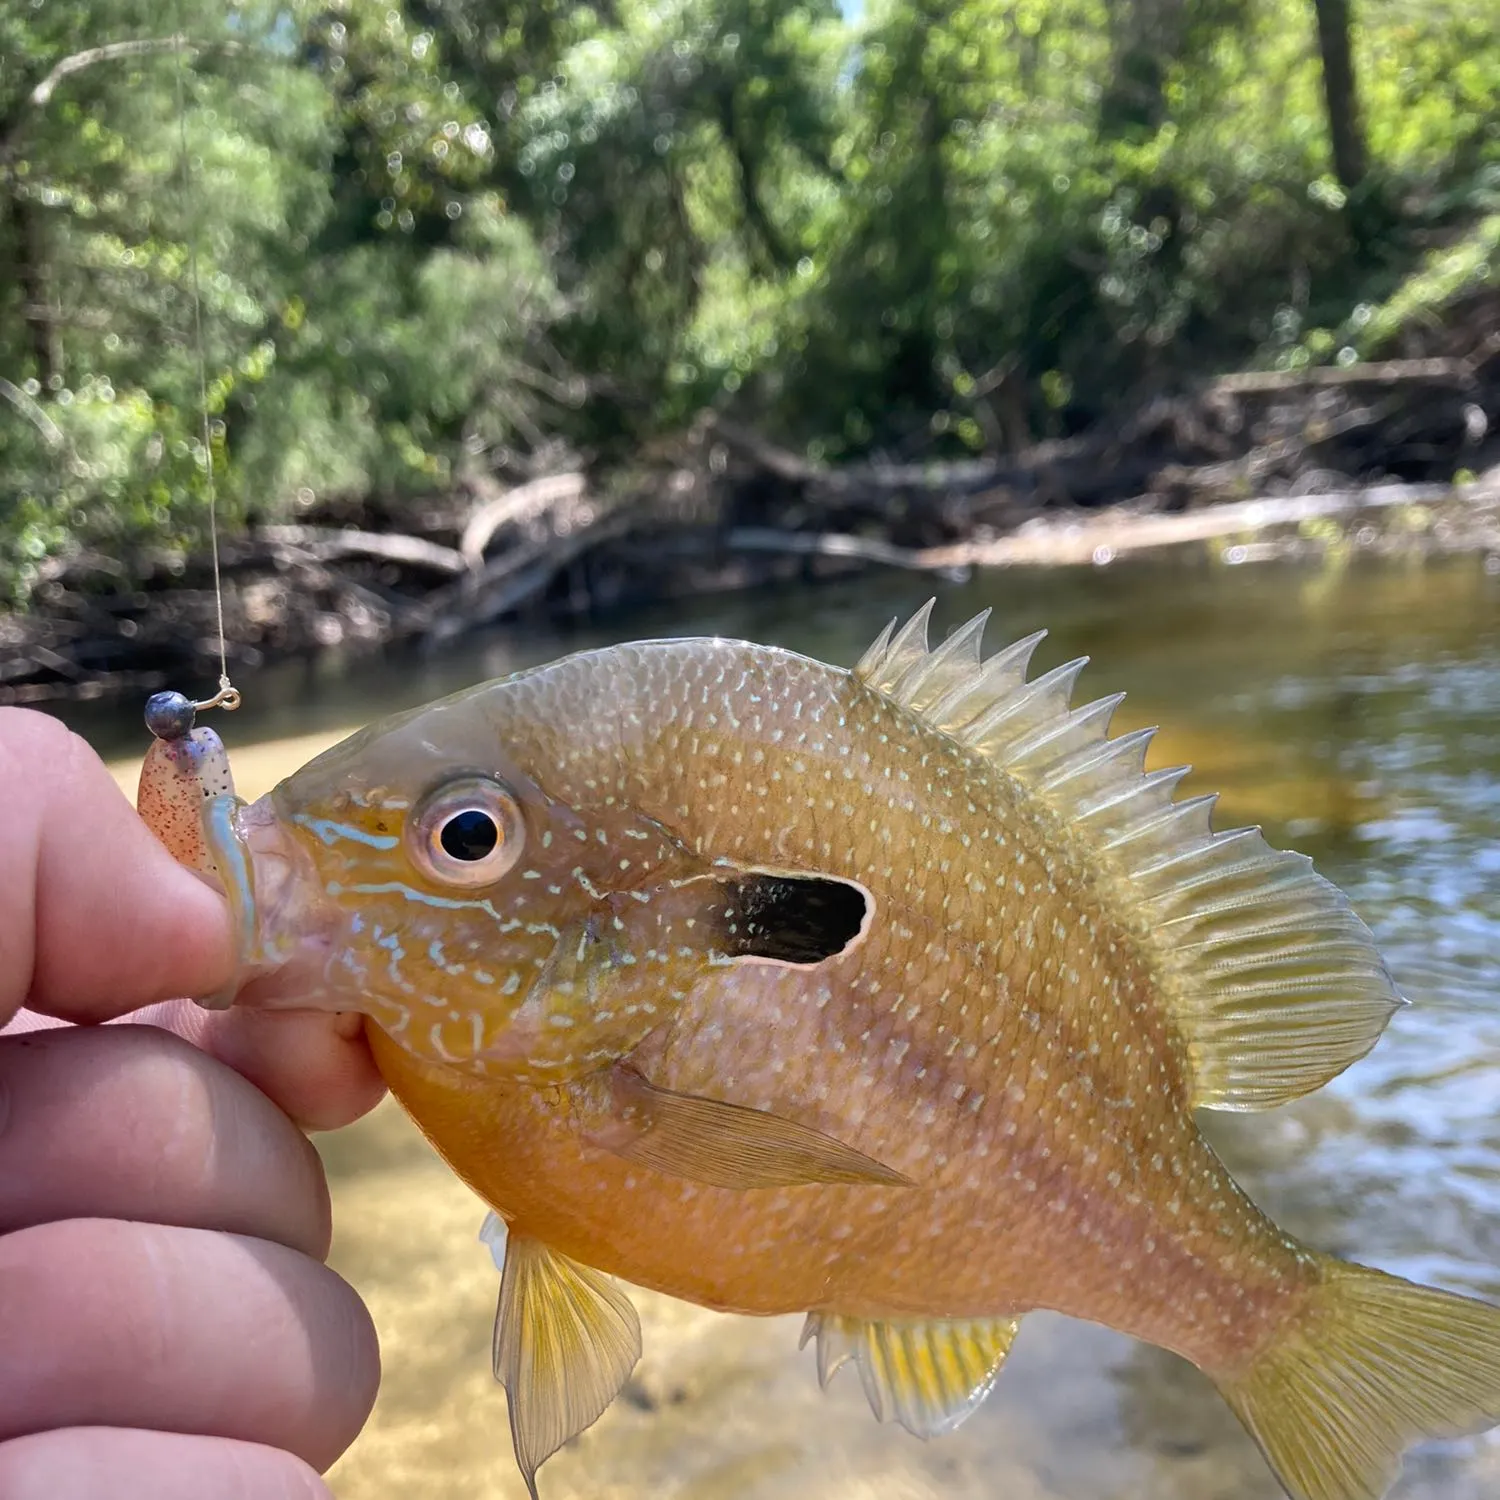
1398,456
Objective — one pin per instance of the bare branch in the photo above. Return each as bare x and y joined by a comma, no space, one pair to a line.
33,413
41,95
326,544
139,47
1093,536
515,507
1385,372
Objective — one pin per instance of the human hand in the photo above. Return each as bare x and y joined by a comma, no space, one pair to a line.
167,1328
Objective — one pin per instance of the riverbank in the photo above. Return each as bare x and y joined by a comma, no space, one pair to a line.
1398,456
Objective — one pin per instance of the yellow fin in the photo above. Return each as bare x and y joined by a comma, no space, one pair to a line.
709,1140
1274,980
1373,1365
566,1339
928,1377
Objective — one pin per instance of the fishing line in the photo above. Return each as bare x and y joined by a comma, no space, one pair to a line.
228,695
170,715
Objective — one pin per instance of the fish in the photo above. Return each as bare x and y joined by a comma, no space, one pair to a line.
886,996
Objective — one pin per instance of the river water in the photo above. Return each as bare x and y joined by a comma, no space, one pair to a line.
1353,710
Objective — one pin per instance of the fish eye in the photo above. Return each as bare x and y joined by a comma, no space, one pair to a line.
467,832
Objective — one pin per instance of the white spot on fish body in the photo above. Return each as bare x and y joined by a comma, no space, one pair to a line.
435,1039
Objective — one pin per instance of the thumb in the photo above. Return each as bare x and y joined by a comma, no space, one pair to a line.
96,918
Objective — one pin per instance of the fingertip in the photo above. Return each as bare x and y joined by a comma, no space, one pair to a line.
133,1122
315,1066
128,1463
100,916
135,1323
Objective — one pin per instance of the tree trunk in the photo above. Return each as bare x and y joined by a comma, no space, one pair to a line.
42,328
1345,132
756,213
1147,38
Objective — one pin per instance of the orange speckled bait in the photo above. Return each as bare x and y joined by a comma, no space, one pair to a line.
184,768
886,995
186,797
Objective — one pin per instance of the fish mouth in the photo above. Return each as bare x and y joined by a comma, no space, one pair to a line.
285,926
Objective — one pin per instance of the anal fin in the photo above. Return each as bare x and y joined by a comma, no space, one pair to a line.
713,1141
566,1339
928,1376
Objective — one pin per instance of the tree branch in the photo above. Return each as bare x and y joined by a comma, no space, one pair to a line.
33,413
328,544
42,94
756,212
139,47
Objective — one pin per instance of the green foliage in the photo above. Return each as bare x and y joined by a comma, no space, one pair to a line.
367,302
1419,301
438,236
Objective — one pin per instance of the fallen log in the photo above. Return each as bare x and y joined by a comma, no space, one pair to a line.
1101,536
510,580
327,544
1387,372
526,502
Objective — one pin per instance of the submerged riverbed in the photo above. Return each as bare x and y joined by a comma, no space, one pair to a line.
1354,711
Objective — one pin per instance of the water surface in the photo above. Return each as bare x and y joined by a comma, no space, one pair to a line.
1353,711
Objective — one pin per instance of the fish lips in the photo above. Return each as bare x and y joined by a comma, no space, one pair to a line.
285,926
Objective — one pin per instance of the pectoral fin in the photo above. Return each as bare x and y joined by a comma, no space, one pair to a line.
566,1339
929,1377
708,1140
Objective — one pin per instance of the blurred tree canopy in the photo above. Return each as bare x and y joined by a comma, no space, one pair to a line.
438,238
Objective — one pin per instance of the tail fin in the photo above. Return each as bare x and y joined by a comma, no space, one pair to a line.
1374,1365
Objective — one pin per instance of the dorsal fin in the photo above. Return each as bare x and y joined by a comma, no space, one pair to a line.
1274,980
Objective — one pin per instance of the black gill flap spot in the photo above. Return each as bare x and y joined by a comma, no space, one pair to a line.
796,919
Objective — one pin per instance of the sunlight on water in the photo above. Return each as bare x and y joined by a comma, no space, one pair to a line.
1353,713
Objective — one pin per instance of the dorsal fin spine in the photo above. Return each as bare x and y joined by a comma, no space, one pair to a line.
1164,829
1069,736
1105,761
1121,813
1002,673
954,661
1209,858
909,645
876,654
1001,725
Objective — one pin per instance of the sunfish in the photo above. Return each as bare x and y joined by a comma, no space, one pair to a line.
882,995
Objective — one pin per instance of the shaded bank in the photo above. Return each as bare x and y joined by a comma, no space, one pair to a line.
1253,465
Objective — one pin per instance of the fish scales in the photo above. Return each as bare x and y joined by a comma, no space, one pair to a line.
887,996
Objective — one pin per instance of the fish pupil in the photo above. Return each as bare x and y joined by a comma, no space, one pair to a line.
469,835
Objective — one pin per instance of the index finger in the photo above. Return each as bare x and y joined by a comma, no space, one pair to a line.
96,918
